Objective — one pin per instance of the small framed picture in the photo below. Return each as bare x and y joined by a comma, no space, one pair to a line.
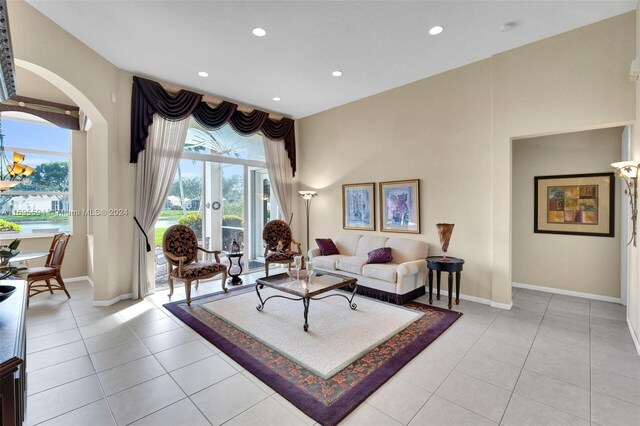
358,206
400,206
574,204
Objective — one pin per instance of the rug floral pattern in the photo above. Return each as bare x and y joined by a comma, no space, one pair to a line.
325,391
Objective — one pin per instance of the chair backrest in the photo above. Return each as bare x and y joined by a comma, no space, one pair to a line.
56,252
277,230
181,241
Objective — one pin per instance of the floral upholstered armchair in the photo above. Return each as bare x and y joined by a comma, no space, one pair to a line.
278,243
180,248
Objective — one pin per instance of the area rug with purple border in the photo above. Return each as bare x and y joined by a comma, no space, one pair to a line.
327,401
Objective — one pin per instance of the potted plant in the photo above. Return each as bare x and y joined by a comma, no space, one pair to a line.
6,254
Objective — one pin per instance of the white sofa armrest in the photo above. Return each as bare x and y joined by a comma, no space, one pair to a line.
412,268
313,253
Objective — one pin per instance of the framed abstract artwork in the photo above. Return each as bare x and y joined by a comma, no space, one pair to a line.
358,206
400,206
574,204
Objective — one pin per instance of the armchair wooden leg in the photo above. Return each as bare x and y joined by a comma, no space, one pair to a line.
64,287
187,290
170,280
197,284
266,268
224,281
49,285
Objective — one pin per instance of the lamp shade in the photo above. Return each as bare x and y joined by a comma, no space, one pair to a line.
17,157
307,195
627,168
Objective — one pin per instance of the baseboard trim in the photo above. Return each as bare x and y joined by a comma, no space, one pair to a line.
506,306
112,301
77,279
479,300
568,292
633,336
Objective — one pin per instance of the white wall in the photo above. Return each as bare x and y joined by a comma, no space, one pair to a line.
454,132
579,263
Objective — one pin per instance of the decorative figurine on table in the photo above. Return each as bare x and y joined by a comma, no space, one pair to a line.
235,247
6,253
280,246
444,232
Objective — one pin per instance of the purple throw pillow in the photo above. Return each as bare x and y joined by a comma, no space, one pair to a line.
381,255
327,246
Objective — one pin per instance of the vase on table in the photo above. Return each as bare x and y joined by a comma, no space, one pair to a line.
444,233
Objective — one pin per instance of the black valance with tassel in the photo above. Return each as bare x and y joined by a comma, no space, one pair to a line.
149,97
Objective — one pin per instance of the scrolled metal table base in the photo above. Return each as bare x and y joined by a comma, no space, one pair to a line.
305,301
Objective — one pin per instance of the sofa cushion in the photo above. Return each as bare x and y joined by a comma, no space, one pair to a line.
380,255
326,246
381,271
328,263
368,243
351,264
347,243
405,250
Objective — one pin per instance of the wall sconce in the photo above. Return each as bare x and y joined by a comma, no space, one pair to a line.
307,196
628,171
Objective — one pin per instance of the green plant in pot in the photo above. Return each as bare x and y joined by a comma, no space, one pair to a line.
6,254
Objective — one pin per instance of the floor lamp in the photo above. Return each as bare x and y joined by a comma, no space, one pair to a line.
307,196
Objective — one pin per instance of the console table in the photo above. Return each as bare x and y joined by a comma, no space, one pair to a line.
13,383
450,265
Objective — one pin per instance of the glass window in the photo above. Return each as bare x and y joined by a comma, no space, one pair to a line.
40,203
224,141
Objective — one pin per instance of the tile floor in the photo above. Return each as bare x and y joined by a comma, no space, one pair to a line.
549,360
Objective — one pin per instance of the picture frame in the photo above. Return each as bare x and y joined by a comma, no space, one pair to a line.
358,206
578,204
400,206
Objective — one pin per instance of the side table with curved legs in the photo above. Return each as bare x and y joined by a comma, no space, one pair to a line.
449,264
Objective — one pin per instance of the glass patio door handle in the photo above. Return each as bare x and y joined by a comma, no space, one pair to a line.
208,205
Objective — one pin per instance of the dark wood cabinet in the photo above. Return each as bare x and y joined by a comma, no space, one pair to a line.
13,379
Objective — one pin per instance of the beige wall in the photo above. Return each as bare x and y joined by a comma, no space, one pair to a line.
569,262
91,82
633,291
437,130
454,131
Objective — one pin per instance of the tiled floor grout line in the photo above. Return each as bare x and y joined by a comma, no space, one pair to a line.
104,395
525,361
452,370
157,304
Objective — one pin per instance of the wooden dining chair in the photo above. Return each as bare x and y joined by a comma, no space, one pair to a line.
50,270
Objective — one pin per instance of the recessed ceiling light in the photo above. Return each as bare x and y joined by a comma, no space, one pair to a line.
275,98
259,32
436,30
203,74
336,73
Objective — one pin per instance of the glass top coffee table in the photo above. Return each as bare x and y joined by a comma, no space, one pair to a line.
306,289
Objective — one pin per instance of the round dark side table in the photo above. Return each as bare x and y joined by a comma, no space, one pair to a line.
450,265
235,278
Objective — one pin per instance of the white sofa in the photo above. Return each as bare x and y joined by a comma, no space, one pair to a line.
398,281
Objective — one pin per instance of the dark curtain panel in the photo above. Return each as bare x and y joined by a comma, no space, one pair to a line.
149,97
283,130
213,118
